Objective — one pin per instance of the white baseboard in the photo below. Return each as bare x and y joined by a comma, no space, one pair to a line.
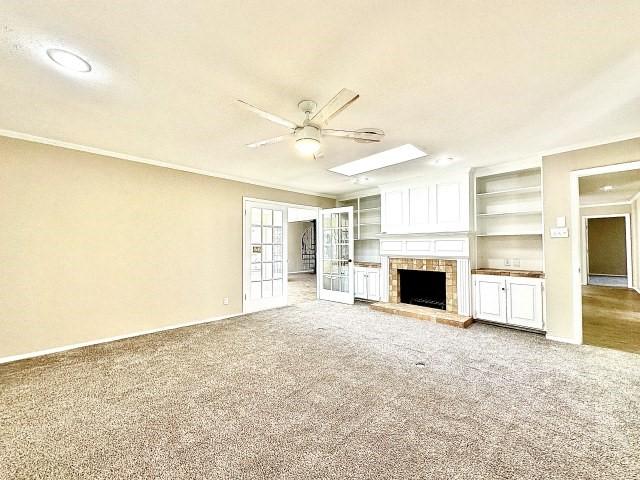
573,341
22,356
636,289
300,271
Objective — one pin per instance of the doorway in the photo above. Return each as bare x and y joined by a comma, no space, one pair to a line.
609,249
302,255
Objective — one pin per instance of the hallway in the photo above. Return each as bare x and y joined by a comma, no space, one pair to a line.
611,317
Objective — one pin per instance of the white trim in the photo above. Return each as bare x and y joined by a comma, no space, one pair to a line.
595,143
610,204
635,197
148,161
39,353
576,250
637,289
301,271
562,339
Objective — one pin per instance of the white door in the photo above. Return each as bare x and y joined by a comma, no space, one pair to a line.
265,256
336,272
373,284
524,302
489,298
361,282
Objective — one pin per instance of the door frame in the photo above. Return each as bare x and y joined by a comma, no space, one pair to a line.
245,255
576,251
585,243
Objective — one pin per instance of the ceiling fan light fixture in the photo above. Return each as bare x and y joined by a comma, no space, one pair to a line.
307,146
308,140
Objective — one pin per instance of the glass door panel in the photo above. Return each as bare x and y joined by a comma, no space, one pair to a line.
265,270
337,283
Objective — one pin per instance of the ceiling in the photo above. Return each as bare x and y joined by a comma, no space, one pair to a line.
626,185
483,82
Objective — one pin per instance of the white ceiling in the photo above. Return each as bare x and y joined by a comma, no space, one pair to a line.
484,82
625,186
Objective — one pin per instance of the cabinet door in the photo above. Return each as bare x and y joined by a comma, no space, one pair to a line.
524,302
361,282
373,284
393,211
489,298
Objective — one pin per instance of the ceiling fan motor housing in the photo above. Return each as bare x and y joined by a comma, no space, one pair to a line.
308,132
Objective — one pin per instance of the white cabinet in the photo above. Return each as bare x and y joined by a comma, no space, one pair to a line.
393,210
427,207
373,284
510,300
524,302
367,283
490,298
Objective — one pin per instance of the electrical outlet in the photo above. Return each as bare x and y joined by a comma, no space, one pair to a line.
225,301
515,262
507,262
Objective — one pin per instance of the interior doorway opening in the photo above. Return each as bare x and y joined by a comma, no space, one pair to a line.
609,246
302,255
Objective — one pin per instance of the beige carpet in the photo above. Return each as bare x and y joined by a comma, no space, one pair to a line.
301,288
322,391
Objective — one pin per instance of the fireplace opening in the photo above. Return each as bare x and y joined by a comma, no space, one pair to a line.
427,289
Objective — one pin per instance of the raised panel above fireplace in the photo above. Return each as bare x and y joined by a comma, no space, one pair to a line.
427,205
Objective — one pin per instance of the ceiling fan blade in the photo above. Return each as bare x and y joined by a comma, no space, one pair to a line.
364,136
342,100
268,116
268,141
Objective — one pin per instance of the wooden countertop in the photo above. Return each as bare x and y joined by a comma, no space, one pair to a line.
367,264
508,273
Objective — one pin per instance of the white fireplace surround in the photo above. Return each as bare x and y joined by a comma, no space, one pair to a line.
448,247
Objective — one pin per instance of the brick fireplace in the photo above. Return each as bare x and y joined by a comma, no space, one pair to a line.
448,267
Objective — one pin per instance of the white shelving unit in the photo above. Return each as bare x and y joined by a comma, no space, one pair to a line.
367,221
508,220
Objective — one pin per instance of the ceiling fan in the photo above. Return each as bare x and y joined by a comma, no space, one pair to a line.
308,135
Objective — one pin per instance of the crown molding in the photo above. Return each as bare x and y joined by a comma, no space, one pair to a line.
133,158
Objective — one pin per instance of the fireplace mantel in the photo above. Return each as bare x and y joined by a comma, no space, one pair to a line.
450,245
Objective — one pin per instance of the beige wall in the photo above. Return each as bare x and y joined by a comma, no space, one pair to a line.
94,247
294,238
607,242
557,202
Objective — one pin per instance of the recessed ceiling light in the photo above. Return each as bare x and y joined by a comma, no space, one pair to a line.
68,60
360,180
442,161
380,160
607,188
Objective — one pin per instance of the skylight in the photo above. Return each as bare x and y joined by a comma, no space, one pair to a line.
380,160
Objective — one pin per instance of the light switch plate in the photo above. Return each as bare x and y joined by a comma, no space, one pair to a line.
507,262
515,262
558,232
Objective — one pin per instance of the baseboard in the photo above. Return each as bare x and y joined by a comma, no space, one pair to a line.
301,271
636,289
23,356
572,341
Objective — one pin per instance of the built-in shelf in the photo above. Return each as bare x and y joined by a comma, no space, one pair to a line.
499,214
510,234
510,191
366,225
509,227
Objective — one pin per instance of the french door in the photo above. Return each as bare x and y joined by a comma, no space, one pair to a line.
335,265
265,256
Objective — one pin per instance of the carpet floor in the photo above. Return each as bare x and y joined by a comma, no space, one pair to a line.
323,391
